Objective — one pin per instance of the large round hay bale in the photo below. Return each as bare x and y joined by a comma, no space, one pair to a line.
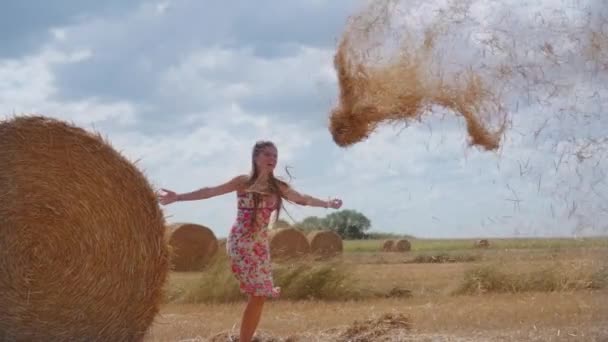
482,243
288,243
83,255
387,245
402,245
325,243
192,246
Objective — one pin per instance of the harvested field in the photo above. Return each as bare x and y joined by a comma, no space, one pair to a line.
415,300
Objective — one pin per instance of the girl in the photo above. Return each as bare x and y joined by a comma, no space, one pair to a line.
258,195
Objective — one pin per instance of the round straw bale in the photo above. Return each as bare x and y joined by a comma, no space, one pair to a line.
483,243
402,245
387,245
325,243
83,255
288,243
192,246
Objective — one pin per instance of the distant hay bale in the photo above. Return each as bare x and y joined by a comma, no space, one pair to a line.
288,243
325,243
192,246
83,255
482,243
402,245
387,246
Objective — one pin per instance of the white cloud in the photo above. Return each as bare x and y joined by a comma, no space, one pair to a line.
27,86
216,75
211,99
59,34
163,7
209,153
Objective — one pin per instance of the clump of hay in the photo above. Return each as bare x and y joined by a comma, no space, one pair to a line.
389,326
384,328
192,246
483,243
325,243
82,237
387,246
402,86
288,243
397,292
443,258
400,60
402,245
553,277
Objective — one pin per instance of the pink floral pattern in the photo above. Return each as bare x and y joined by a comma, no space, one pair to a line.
249,250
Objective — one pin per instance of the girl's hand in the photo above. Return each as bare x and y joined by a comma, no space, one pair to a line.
334,203
168,197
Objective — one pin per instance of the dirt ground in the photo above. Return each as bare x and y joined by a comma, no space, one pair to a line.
581,316
428,313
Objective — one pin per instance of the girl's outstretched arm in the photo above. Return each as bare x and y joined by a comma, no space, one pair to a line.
207,192
303,199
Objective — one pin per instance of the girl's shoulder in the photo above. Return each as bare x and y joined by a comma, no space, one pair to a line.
242,182
242,178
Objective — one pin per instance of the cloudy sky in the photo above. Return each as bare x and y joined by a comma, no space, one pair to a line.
188,86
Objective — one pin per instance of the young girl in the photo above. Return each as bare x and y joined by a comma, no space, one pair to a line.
258,195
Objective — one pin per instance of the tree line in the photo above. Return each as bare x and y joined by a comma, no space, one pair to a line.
349,224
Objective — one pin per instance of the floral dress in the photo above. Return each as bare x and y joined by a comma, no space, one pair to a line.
248,247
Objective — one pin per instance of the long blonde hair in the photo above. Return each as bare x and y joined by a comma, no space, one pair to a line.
274,184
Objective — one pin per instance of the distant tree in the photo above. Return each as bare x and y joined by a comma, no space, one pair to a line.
350,224
312,223
354,232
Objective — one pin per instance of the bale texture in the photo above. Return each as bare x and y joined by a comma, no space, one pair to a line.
483,243
325,243
402,245
83,255
387,246
192,246
288,243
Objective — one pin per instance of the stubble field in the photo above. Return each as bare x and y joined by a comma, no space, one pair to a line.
441,290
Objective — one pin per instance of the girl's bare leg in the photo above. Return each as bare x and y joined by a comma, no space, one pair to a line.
251,317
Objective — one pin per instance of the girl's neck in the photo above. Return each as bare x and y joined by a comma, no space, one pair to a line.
264,176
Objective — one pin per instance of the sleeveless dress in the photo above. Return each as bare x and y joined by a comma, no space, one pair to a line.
248,247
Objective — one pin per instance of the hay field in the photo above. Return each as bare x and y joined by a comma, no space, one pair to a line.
442,290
